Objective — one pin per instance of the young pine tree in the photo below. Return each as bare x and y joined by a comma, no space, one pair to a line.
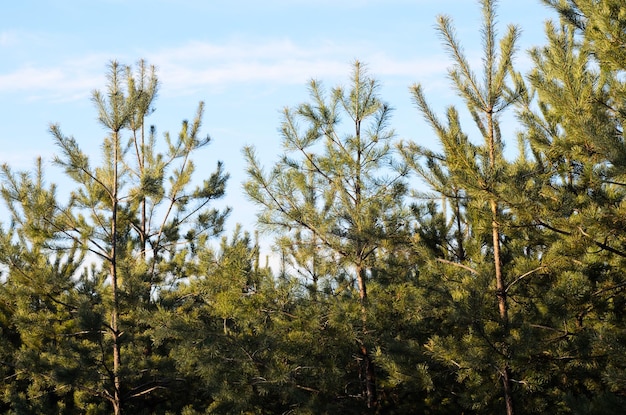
576,137
137,215
468,178
359,197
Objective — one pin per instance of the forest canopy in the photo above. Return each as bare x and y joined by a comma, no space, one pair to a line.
410,279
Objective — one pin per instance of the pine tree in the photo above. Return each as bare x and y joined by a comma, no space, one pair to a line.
359,201
574,131
138,216
470,176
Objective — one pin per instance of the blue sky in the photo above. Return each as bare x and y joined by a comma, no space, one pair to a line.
245,59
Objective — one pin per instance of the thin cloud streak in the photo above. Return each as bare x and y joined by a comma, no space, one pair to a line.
7,38
69,81
199,65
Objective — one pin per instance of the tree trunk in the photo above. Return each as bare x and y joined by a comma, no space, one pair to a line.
500,284
368,370
369,377
117,399
502,306
368,365
508,393
500,287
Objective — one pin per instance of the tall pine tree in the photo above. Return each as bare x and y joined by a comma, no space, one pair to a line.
359,196
469,177
137,215
575,133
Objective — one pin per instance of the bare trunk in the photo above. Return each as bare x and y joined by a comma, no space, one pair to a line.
367,369
500,287
144,221
360,275
502,306
368,373
508,393
459,226
116,357
369,377
117,399
500,284
368,365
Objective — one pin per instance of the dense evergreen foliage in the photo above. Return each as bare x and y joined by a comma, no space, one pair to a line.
458,279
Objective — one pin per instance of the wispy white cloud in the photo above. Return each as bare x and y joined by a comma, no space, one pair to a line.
70,80
217,66
7,38
202,65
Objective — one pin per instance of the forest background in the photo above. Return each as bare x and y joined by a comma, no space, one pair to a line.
481,272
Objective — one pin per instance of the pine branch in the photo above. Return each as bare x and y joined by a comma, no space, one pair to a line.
456,264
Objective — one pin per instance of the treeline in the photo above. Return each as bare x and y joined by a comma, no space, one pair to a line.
411,280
